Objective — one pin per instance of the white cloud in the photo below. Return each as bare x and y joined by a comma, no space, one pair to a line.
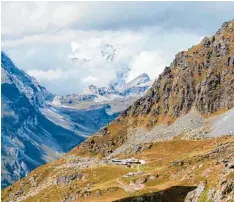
89,79
32,18
42,37
150,62
52,64
46,74
30,52
37,17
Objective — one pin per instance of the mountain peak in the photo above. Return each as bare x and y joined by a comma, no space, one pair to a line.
25,83
134,84
144,76
141,79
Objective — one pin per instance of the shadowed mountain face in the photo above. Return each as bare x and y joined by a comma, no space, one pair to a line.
29,139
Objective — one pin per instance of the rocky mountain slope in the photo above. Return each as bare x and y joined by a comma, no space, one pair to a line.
181,129
200,78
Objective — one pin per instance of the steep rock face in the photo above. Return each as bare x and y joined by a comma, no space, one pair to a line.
202,77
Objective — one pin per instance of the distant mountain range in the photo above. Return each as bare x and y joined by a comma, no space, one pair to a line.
117,99
38,126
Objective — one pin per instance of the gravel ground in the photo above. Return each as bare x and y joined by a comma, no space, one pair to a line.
189,126
222,124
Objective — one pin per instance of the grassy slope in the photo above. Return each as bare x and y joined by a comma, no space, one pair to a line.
109,180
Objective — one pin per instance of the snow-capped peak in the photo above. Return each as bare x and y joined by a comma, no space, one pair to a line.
143,78
139,84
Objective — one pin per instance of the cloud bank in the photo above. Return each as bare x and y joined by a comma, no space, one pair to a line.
69,45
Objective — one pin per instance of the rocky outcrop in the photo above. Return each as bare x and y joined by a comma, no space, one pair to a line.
195,195
223,191
202,77
67,179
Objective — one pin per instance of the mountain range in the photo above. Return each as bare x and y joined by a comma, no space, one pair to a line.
37,129
175,143
117,98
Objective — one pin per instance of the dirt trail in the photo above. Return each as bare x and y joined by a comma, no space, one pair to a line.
131,187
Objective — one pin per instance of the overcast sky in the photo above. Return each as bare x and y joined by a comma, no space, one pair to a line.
43,37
